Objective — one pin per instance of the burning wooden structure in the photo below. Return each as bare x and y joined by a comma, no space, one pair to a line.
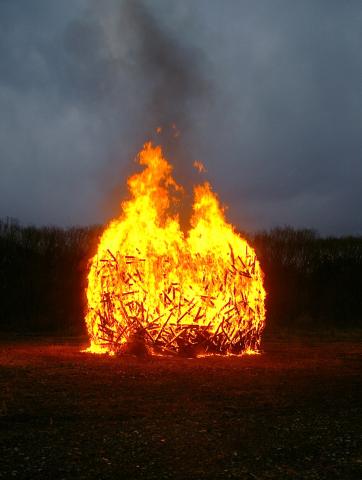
152,287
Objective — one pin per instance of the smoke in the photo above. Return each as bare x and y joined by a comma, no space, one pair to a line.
174,69
126,49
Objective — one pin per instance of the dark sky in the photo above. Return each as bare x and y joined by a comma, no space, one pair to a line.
267,93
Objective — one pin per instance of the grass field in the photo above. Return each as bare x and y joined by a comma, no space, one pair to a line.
293,412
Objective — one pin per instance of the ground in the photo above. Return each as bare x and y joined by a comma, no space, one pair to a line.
293,412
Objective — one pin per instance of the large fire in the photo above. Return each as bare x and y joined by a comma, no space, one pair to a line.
150,284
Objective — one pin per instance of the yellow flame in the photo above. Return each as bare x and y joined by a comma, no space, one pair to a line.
151,284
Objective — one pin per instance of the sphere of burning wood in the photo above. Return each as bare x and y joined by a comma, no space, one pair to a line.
153,288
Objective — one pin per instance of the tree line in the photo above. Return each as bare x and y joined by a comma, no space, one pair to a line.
312,282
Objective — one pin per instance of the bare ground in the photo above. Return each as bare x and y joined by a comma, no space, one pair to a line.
293,412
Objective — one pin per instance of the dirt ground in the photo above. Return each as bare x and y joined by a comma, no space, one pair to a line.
293,412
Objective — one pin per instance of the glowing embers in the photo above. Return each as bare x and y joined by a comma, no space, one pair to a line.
150,287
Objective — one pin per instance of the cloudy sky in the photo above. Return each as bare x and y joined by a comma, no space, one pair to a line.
267,93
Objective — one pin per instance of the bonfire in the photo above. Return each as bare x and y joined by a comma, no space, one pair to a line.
154,288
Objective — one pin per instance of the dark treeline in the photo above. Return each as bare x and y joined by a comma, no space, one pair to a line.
311,282
43,277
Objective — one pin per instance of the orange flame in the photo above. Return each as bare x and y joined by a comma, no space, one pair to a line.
199,166
151,284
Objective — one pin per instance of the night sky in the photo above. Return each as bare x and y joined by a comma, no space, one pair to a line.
266,93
